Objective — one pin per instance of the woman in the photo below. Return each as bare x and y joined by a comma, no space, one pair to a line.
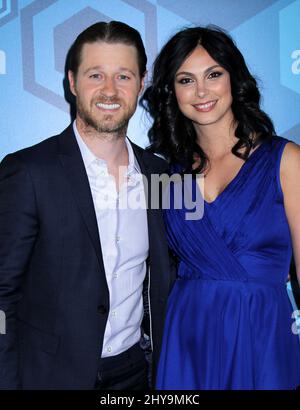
229,320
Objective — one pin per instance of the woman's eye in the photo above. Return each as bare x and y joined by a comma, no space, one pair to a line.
185,80
215,74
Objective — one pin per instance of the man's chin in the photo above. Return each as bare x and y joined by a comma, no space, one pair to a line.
107,125
110,127
119,128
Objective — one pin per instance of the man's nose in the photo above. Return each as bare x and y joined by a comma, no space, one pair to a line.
109,87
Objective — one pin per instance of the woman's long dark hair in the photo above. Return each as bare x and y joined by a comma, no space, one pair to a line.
172,134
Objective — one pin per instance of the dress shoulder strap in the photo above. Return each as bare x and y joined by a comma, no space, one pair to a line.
278,145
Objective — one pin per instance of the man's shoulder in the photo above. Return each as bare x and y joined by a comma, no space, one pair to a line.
154,162
45,146
40,151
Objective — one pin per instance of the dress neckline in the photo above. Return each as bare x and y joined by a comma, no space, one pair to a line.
237,175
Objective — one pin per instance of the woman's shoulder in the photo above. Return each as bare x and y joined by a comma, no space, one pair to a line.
290,156
290,166
278,141
281,147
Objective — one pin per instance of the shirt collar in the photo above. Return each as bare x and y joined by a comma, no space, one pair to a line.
88,156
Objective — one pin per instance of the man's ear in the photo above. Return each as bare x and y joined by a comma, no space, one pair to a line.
71,78
143,80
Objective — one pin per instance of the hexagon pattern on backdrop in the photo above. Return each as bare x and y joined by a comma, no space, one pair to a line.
8,11
289,45
35,36
289,18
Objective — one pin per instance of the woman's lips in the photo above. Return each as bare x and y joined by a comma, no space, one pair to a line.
205,107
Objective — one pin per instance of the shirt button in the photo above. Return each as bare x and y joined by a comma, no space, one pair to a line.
118,239
109,349
113,313
115,275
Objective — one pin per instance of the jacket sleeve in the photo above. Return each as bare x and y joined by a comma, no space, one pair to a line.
18,231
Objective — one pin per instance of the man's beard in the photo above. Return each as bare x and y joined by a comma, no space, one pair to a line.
106,124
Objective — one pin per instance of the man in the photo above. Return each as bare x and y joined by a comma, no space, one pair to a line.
78,272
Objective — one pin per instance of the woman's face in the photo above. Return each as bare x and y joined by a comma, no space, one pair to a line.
203,90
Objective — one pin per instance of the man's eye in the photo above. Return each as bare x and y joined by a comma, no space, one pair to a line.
97,76
123,77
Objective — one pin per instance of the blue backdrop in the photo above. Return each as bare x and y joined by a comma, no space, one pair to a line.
35,36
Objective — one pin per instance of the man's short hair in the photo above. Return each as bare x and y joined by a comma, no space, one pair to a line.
111,32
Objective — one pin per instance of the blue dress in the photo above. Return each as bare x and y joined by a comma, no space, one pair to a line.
229,319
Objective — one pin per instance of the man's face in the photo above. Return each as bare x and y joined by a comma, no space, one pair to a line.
107,86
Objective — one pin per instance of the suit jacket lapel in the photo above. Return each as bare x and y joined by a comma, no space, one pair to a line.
148,168
73,165
158,247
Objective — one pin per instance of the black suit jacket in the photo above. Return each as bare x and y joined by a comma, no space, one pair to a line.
53,287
